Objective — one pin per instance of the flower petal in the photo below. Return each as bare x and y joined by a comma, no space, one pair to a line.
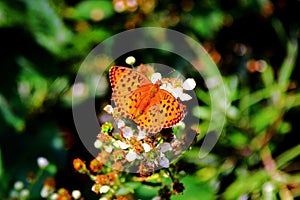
146,147
155,77
127,132
109,109
164,162
104,189
185,97
164,147
189,84
131,156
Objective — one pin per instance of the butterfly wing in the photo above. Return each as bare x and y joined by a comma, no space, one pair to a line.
173,110
124,81
154,109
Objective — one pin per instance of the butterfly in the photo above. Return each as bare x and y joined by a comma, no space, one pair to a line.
137,98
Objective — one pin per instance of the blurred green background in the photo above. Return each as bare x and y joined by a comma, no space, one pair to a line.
254,44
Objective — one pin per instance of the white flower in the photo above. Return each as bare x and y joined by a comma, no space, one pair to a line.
176,92
156,198
109,109
131,156
54,196
130,60
169,87
14,194
97,144
127,132
18,185
24,194
45,192
122,145
185,97
146,147
155,77
42,162
164,162
109,149
76,194
189,84
141,134
182,96
120,123
164,147
104,189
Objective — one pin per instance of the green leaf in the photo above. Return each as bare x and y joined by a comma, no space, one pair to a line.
238,139
263,117
3,180
287,156
46,25
284,128
231,84
51,169
245,184
10,15
195,190
9,116
202,112
85,9
33,87
207,25
288,65
203,96
248,99
268,76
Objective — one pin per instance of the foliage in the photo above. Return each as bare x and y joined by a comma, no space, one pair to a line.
254,44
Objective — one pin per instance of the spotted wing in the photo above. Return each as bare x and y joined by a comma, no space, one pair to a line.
154,112
124,81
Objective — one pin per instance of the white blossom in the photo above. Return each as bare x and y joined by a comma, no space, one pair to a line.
185,97
177,92
131,156
42,162
189,84
122,145
169,87
127,132
76,194
155,77
97,144
54,196
109,149
120,123
164,162
24,194
109,109
146,147
130,60
45,192
156,198
164,147
141,134
104,189
18,185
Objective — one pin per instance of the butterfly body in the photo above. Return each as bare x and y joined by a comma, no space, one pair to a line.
149,106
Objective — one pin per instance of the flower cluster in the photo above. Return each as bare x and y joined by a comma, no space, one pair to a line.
125,147
23,189
134,149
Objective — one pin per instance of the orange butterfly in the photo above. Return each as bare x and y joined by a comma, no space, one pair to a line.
149,106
